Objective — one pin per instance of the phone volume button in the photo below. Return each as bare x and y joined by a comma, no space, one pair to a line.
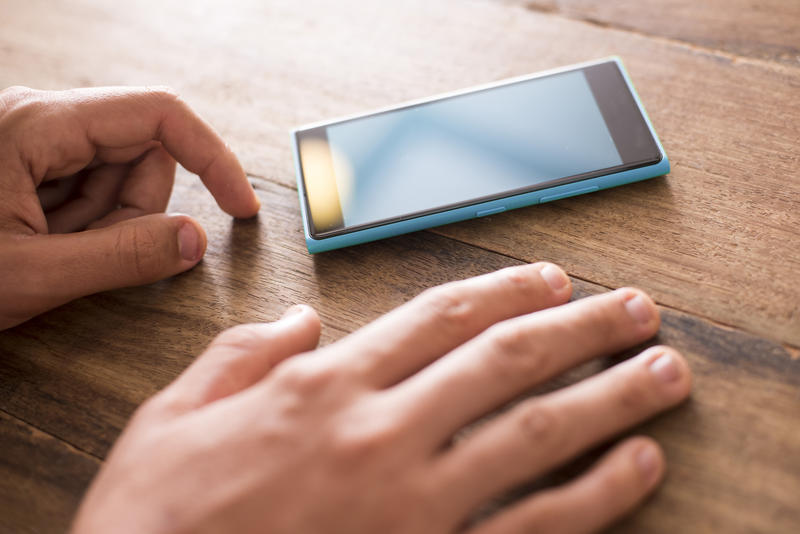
492,211
569,194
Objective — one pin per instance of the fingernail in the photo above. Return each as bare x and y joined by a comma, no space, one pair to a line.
555,277
647,461
189,242
255,196
293,310
665,368
639,309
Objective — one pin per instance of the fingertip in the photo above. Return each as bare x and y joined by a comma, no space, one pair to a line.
254,205
248,213
240,200
192,239
555,277
641,308
305,314
241,204
671,370
649,460
299,309
292,310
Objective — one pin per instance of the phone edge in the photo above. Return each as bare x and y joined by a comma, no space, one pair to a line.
493,206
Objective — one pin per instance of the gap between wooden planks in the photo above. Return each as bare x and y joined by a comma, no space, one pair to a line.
767,30
79,372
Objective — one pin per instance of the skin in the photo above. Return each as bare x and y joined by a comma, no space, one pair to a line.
266,432
101,160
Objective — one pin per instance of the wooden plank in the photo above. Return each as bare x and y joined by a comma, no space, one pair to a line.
81,370
715,237
722,445
763,29
41,479
731,449
717,233
111,351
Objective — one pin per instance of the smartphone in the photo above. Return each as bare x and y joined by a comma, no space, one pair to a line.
471,153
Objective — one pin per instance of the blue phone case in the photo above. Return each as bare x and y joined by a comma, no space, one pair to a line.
491,207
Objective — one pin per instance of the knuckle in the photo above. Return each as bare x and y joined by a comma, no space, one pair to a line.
166,102
520,279
509,338
634,395
512,352
448,306
15,94
304,376
154,406
363,440
538,424
137,250
19,104
162,97
164,404
166,98
164,92
240,337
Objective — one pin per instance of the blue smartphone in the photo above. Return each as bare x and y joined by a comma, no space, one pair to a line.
472,153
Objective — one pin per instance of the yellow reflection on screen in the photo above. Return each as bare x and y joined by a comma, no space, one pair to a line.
320,180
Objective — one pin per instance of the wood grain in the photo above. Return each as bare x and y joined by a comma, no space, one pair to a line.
80,371
718,436
715,241
722,223
42,479
768,30
111,351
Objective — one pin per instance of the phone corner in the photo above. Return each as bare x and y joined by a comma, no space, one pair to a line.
313,246
293,137
663,166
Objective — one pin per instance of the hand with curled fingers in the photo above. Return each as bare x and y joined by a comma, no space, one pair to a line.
85,175
266,433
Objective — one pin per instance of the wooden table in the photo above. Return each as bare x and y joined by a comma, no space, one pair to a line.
716,242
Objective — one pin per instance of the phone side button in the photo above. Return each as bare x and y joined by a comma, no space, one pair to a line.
492,211
569,194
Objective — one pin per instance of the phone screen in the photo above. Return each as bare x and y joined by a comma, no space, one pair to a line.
470,148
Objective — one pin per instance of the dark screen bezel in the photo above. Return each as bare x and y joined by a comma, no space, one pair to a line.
620,111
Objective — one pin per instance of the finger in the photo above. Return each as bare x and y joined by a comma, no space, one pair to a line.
543,432
146,189
80,121
110,155
96,198
613,487
516,355
442,318
125,154
240,357
55,193
58,268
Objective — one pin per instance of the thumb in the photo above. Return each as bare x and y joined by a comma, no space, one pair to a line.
134,252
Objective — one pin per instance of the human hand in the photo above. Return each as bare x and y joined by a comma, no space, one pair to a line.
264,434
101,160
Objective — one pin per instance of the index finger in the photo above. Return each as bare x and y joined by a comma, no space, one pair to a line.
117,117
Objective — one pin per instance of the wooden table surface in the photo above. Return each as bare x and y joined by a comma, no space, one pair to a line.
716,242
